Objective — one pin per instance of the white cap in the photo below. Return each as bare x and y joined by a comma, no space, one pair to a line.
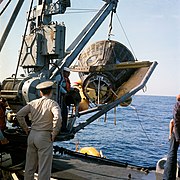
44,85
66,69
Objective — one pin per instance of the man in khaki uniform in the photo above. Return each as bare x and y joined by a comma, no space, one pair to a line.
46,124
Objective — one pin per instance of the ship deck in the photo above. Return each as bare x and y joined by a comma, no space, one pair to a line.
80,168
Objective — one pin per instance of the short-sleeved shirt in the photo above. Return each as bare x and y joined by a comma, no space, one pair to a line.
44,113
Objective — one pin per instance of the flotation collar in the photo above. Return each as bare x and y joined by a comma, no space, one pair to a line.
90,151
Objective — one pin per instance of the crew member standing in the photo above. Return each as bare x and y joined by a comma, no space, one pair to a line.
171,163
64,107
64,88
66,74
46,124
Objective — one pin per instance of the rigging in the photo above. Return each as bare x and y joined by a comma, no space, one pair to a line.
126,36
5,7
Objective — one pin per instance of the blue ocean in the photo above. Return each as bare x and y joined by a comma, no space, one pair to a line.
140,136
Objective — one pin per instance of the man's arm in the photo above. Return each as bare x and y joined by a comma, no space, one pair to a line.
21,117
57,120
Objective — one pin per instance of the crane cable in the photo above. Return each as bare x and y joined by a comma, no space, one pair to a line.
23,41
110,26
126,36
5,7
110,30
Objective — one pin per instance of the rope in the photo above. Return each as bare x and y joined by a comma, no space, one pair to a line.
114,115
99,86
140,122
144,129
113,92
126,36
105,117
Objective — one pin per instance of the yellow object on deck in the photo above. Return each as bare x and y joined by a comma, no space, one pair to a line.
90,151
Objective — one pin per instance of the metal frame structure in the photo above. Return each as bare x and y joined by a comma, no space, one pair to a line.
45,44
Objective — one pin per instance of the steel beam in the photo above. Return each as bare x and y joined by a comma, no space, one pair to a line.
10,23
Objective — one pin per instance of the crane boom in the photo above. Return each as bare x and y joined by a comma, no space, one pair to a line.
10,23
85,35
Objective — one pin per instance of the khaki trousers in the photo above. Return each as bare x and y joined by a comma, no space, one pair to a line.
39,155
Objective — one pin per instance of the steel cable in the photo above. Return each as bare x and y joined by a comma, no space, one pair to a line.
5,7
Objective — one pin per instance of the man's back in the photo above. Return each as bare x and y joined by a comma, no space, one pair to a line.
44,114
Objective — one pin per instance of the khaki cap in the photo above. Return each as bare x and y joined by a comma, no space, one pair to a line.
43,85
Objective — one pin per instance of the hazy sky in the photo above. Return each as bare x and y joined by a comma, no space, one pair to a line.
152,27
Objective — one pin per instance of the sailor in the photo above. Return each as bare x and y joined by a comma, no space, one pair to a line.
68,96
63,80
66,74
46,123
171,163
64,88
